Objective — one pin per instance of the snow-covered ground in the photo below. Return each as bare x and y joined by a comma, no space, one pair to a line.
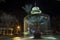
30,38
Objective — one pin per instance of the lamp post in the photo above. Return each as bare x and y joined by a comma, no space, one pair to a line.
17,29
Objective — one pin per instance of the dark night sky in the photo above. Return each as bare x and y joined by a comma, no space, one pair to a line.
51,7
45,5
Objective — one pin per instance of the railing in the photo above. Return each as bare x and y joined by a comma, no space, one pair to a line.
5,31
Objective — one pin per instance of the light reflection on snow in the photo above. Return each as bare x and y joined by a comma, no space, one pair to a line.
16,38
31,37
52,38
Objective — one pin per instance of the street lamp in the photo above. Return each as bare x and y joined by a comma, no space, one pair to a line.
18,29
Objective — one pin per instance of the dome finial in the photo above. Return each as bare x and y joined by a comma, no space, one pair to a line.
35,4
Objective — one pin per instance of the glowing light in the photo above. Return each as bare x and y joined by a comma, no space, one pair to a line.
26,33
18,27
16,38
35,8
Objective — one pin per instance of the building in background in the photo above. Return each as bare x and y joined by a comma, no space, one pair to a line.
9,25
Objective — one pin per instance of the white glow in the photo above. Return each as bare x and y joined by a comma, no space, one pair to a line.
31,37
50,38
35,8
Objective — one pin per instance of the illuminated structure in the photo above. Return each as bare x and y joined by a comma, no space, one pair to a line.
36,21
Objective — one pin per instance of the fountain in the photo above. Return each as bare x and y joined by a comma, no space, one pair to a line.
36,22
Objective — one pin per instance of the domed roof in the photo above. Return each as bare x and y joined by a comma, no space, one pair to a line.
36,10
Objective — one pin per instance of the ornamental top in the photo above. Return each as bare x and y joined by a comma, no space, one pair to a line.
36,10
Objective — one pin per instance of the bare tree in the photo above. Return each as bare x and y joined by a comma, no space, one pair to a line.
8,20
27,8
